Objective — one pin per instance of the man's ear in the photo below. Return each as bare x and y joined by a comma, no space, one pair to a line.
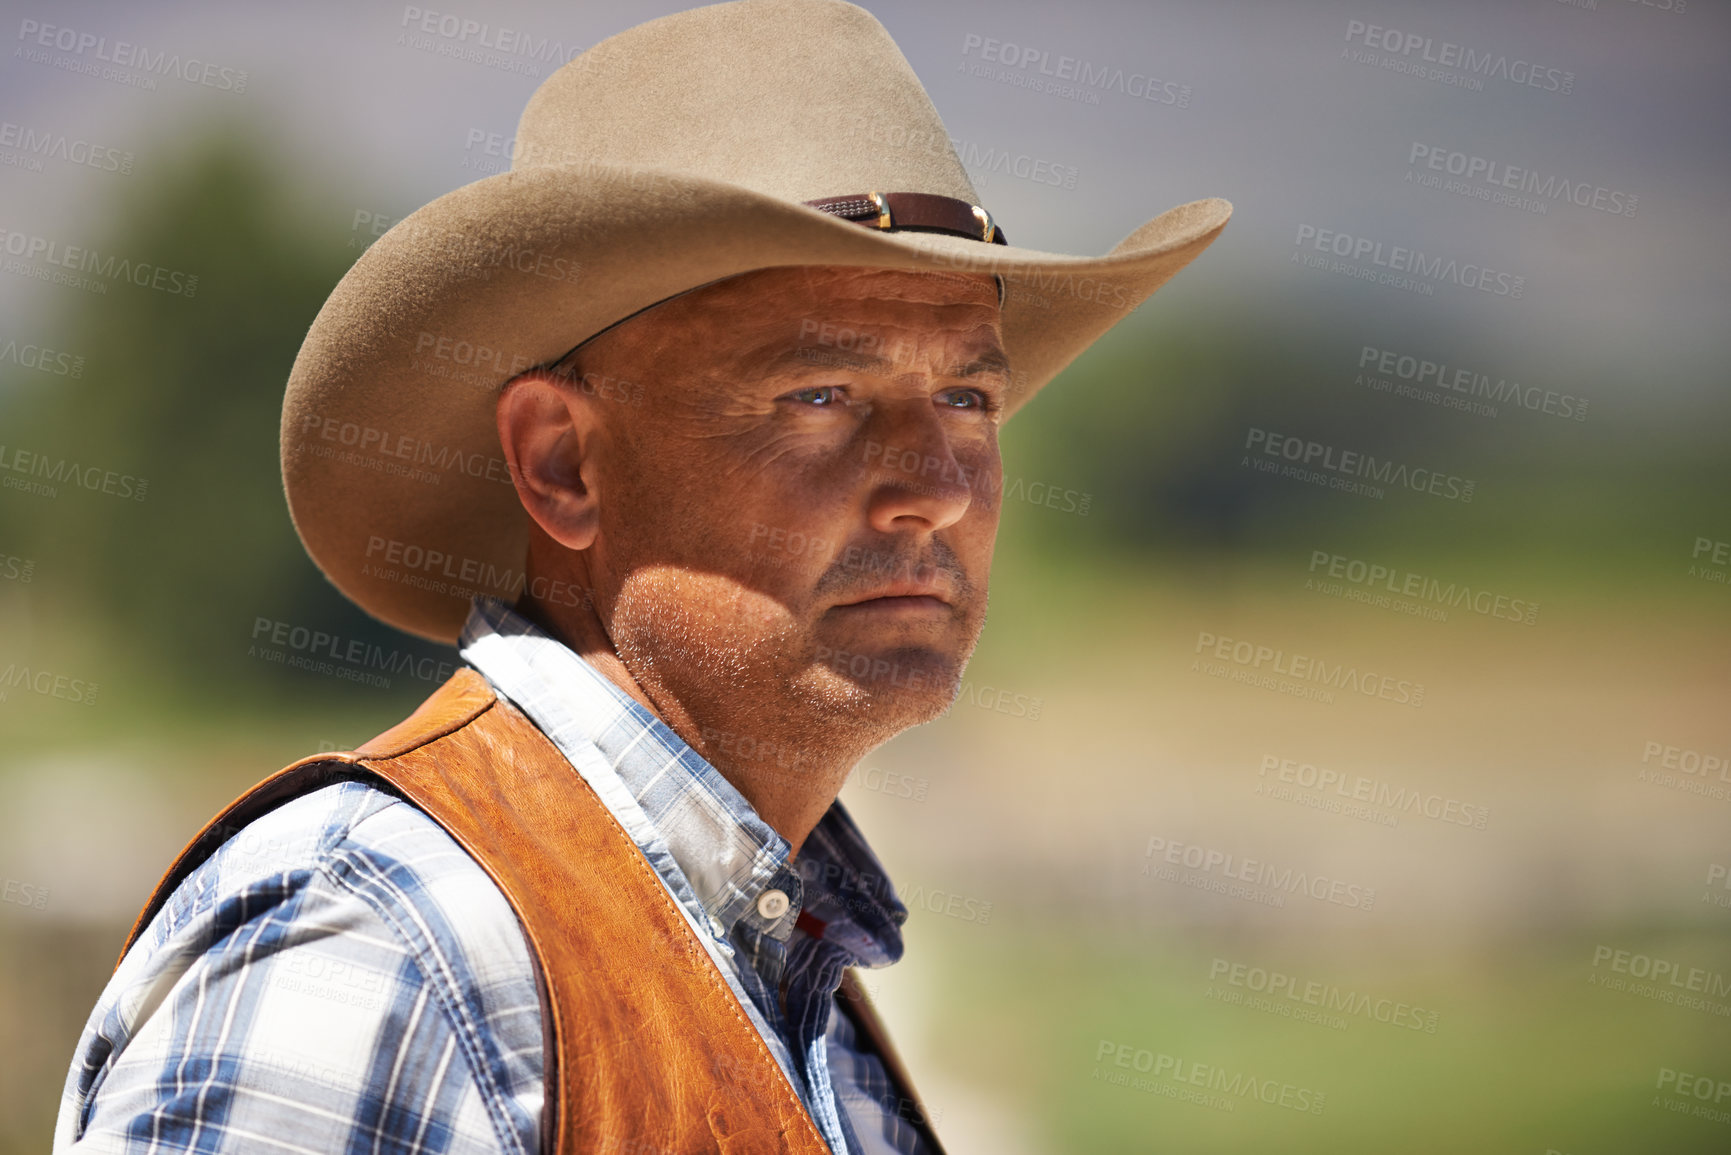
550,433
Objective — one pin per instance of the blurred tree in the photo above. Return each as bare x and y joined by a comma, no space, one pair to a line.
1151,423
186,392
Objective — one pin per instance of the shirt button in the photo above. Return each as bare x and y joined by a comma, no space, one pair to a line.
772,904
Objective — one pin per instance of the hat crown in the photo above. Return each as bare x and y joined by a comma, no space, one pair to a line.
797,99
668,157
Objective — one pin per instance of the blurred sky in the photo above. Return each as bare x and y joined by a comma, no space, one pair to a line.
1276,120
1545,727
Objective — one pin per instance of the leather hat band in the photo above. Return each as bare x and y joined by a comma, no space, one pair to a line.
925,212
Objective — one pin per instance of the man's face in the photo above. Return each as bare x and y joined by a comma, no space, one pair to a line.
800,511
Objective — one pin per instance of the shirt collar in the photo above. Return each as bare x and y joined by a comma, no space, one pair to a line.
680,806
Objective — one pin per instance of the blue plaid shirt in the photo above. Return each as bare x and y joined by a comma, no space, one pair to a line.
341,976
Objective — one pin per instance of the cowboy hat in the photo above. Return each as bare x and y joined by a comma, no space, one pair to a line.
695,147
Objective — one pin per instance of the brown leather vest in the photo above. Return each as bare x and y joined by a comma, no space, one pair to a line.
647,1048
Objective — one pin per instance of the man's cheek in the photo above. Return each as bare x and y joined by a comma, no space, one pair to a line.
982,471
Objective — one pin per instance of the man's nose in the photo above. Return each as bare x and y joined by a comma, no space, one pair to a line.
918,482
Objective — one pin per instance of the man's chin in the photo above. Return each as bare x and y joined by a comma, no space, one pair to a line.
903,686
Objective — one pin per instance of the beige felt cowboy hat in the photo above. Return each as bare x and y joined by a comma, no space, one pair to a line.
695,147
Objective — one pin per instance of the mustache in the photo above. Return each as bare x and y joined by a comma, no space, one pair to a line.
860,569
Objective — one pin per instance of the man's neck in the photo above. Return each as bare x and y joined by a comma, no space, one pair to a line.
754,756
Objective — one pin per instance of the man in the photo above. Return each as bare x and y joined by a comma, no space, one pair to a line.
726,419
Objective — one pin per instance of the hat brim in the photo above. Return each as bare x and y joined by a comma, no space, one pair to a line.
391,461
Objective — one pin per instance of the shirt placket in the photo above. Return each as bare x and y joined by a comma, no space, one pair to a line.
793,985
754,939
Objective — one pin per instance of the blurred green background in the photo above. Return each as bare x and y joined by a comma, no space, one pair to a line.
156,601
1503,933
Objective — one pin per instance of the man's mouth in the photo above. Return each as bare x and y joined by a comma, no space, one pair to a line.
910,596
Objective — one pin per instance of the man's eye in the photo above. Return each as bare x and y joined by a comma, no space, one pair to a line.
821,395
963,399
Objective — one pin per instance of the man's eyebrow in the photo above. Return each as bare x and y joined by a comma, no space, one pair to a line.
992,361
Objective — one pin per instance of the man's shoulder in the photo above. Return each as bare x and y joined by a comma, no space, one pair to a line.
332,934
350,837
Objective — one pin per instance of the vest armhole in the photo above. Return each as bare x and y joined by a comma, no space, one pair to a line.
460,700
550,1070
857,1006
302,777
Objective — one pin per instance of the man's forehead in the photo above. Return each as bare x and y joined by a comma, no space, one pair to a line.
877,358
763,320
758,323
875,320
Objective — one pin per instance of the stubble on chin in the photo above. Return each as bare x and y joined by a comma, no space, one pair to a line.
720,650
